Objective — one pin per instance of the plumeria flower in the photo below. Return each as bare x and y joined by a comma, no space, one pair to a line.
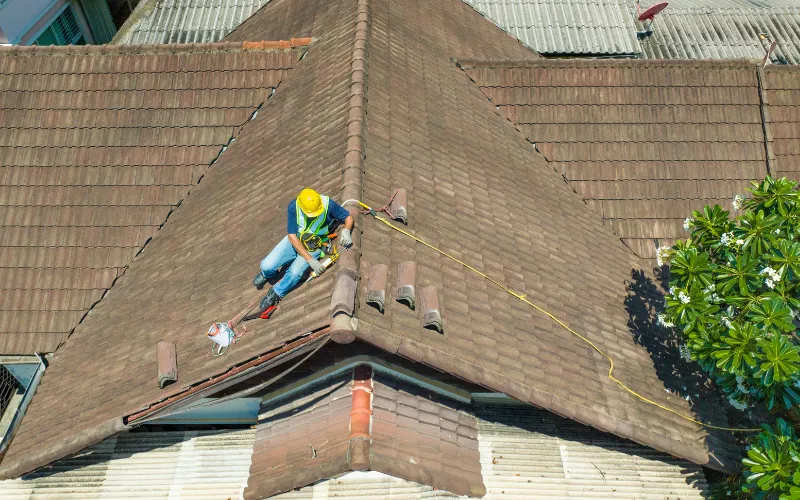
738,202
777,231
663,321
770,284
662,255
740,242
683,297
726,239
687,224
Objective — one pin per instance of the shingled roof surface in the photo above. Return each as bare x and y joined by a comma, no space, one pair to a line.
480,191
197,269
96,149
414,435
782,99
643,142
377,104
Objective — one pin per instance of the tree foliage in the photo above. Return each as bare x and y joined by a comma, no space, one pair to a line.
735,296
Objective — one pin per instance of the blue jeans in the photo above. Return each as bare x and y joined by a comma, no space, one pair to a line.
279,257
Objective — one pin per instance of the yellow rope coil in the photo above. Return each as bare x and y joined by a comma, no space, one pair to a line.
524,299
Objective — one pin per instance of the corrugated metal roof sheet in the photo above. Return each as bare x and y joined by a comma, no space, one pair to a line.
528,453
175,465
565,26
724,4
189,21
731,33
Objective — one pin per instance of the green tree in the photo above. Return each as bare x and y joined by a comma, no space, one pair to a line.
734,295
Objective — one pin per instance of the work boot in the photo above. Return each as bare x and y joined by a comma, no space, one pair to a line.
269,300
259,281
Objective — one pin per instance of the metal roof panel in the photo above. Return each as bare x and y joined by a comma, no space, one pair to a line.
565,27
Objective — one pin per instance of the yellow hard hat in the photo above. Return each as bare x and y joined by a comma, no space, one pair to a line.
310,202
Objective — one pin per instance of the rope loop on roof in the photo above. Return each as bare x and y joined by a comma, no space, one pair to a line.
523,298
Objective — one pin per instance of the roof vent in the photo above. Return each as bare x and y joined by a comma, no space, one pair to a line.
398,208
376,291
406,279
431,312
167,364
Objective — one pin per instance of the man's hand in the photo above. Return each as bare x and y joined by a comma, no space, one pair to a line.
316,266
345,238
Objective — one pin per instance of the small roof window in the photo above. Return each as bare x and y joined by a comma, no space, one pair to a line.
19,376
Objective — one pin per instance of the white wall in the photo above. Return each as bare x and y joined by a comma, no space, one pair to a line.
17,16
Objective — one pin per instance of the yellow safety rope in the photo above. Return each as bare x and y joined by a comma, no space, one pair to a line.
524,299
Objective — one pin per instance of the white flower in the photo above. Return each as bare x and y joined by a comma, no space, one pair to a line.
687,224
736,404
715,298
777,231
662,255
663,321
740,385
740,242
683,297
773,277
738,202
712,287
771,272
726,239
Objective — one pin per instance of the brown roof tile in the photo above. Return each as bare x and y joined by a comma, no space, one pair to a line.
475,187
413,434
181,282
96,151
479,190
643,142
782,103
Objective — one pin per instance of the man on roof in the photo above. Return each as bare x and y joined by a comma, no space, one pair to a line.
309,219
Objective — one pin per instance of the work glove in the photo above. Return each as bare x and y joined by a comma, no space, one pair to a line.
316,266
345,238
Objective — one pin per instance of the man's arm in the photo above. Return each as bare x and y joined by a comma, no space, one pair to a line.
298,246
349,222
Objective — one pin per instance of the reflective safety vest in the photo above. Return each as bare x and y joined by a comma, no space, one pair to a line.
319,225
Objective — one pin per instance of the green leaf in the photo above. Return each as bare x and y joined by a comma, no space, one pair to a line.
741,276
709,225
691,266
785,257
756,229
781,360
773,195
771,460
738,349
771,313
